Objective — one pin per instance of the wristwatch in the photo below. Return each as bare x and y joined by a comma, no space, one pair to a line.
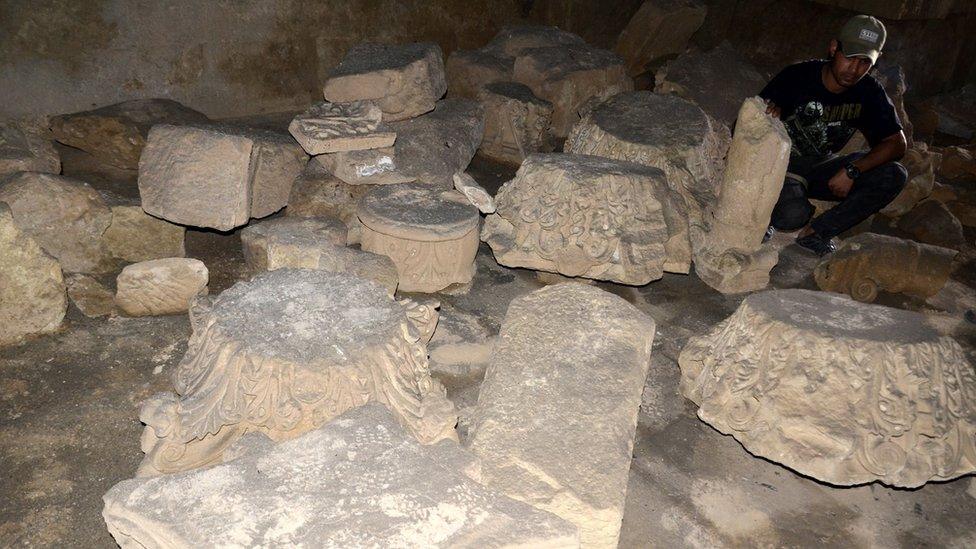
852,171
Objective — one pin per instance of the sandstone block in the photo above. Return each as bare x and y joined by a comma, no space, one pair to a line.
592,217
557,411
161,286
659,28
475,193
516,122
134,236
513,40
404,80
255,238
844,392
931,222
318,193
468,71
90,296
302,251
283,354
32,293
335,127
27,147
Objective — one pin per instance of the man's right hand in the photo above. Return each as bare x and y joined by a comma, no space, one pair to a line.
772,109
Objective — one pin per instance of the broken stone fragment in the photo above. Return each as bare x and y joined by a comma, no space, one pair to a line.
468,71
134,236
592,217
868,263
359,481
516,122
286,352
65,216
90,296
304,251
161,286
844,392
116,134
460,346
404,80
217,176
27,147
254,238
513,40
659,28
557,411
335,127
475,193
32,292
931,222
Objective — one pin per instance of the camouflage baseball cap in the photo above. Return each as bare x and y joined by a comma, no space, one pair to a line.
863,36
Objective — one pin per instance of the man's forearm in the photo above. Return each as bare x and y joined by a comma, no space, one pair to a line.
890,149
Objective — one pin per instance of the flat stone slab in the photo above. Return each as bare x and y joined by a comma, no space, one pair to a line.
161,286
27,147
335,127
255,238
557,412
517,122
359,481
512,40
837,390
365,167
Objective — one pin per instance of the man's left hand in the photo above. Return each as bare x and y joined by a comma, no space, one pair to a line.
840,184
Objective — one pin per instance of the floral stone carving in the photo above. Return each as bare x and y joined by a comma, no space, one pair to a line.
335,127
844,392
287,352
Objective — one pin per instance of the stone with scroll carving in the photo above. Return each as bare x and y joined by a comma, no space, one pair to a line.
591,217
404,80
663,131
431,235
26,146
298,250
160,286
844,392
285,353
255,238
335,127
516,122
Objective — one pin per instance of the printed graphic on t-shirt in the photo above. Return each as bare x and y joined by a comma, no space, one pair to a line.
817,130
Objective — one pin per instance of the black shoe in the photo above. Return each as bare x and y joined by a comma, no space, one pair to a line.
770,231
817,244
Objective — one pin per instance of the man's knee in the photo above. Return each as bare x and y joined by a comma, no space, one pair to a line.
792,214
891,178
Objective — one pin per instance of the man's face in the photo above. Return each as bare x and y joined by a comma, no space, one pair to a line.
847,71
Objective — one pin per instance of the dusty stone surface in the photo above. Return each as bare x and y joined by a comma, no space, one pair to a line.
255,238
91,297
516,122
335,127
32,298
840,391
660,28
134,236
304,346
475,193
116,134
460,345
404,80
160,286
318,193
27,147
513,40
433,147
558,408
65,216
662,131
728,250
920,163
358,481
431,235
592,217
304,251
868,263
932,223
468,71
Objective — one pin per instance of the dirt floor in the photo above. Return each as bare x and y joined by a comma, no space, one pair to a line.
69,428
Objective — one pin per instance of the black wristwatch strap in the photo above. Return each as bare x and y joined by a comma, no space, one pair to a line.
852,171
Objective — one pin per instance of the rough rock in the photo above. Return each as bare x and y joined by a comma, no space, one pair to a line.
217,176
475,193
134,236
557,411
27,147
65,216
844,392
90,296
468,71
304,251
868,263
662,131
335,127
359,481
957,163
956,113
516,122
404,80
160,286
931,222
728,249
255,238
513,40
32,298
431,235
460,346
592,217
318,193
659,29
117,134
920,163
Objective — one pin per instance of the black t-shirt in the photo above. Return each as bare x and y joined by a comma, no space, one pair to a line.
821,122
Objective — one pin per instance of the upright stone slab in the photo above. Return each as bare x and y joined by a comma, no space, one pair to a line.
359,481
468,71
336,127
404,80
557,411
516,122
662,131
161,286
592,217
659,28
27,147
840,391
254,238
283,354
728,249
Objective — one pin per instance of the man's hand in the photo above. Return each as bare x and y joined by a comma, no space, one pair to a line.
840,184
772,109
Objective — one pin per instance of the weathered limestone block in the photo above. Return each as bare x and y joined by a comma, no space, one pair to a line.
932,223
32,298
460,346
134,236
475,193
957,163
217,176
470,70
255,238
844,392
433,147
305,251
160,286
404,80
366,167
513,40
335,127
557,411
662,131
868,263
359,481
287,352
921,180
65,216
27,147
592,217
116,134
431,235
728,250
516,122
90,296
318,193
568,77
659,28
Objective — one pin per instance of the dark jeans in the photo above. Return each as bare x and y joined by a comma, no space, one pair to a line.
872,191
